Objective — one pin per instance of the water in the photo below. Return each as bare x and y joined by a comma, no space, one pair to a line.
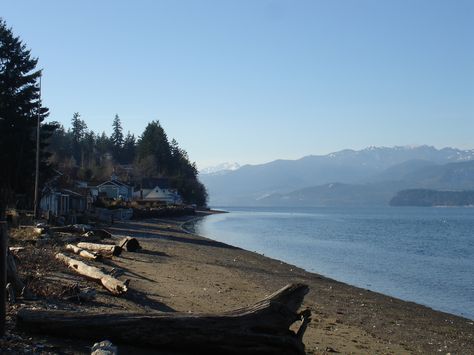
424,255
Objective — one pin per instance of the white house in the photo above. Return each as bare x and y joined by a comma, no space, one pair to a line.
158,190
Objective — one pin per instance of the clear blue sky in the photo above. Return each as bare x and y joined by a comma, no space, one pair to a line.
253,81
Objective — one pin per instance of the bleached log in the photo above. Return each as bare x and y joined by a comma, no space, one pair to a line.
262,328
104,249
84,253
112,284
16,250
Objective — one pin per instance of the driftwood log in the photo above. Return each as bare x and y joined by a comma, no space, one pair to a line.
112,284
262,328
84,253
103,249
129,244
102,233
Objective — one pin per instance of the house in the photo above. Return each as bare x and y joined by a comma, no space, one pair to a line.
159,190
62,202
115,189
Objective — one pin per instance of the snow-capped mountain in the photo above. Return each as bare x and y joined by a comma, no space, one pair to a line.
249,183
220,168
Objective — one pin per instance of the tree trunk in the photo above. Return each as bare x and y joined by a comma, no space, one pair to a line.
103,249
84,253
115,286
259,329
3,274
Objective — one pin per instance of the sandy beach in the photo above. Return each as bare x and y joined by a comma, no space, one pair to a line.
179,271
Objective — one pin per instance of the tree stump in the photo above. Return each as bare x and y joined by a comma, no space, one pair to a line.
129,244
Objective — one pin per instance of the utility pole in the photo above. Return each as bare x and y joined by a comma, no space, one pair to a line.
35,210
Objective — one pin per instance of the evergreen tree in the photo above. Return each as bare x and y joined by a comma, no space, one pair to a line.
104,146
154,142
19,111
78,132
129,145
117,138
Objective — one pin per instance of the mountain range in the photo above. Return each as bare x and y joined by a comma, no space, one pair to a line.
371,176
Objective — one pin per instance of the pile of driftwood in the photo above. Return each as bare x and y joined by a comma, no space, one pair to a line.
90,250
262,328
95,252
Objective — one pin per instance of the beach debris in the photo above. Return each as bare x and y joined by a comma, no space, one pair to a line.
16,250
99,233
103,249
115,286
105,347
259,328
129,244
84,253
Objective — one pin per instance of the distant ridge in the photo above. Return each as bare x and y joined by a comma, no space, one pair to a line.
373,171
424,198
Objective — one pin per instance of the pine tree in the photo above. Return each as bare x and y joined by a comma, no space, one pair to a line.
129,146
19,111
154,142
117,138
78,131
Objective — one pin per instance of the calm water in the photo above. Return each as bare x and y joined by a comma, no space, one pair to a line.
425,255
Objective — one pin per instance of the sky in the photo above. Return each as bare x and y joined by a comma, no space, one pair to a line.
251,81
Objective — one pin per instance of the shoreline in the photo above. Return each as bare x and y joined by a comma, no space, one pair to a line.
197,218
345,318
178,271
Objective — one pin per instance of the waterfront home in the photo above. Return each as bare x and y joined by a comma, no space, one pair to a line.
115,189
57,202
157,190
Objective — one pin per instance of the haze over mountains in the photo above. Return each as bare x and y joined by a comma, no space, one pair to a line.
371,176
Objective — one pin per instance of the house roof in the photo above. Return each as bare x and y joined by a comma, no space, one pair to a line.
114,182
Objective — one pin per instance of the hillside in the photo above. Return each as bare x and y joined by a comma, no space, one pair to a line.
424,197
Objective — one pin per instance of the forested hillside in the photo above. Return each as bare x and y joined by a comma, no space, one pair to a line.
83,154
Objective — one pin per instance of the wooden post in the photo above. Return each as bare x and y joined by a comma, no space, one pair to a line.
3,275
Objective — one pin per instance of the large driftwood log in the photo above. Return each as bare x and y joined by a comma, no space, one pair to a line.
103,249
129,244
262,328
115,286
84,253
